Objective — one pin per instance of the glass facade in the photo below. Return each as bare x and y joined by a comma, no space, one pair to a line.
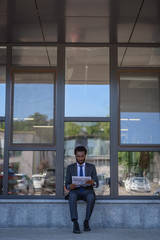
2,90
58,96
87,88
139,173
33,107
32,173
34,56
138,57
2,130
96,137
139,107
3,54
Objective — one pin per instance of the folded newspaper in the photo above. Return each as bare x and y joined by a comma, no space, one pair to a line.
80,181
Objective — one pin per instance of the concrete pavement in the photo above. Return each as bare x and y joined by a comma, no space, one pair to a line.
66,234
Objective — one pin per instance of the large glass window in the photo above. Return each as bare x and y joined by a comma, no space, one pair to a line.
87,89
2,128
34,56
139,173
139,107
2,55
33,107
32,173
2,90
138,57
96,137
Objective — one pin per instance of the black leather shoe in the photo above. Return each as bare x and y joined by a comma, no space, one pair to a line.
76,228
86,226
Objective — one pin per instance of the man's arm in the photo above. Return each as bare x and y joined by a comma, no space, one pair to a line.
68,178
68,182
92,172
95,178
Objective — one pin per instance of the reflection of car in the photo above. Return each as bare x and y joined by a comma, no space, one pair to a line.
138,184
11,183
157,192
49,183
38,181
103,185
24,184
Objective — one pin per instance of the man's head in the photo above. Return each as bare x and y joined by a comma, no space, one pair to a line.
80,154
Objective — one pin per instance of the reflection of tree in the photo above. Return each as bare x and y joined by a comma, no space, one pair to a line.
99,129
44,165
144,163
135,163
156,160
37,120
36,123
72,129
2,126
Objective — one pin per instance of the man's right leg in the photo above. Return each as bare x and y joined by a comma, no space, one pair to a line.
73,210
73,205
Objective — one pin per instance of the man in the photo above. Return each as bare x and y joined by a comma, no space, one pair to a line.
86,193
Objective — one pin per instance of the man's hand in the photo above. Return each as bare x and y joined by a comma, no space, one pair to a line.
91,182
72,186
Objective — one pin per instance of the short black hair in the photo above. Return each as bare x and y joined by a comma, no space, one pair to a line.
80,149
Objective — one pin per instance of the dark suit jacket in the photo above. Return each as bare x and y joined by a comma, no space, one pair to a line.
90,171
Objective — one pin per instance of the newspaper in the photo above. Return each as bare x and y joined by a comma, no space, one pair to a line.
80,181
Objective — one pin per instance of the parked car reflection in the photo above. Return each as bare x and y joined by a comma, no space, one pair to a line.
38,181
138,184
11,183
49,184
104,185
24,184
157,192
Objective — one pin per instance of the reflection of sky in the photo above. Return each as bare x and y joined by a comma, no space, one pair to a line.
87,100
140,128
2,99
31,98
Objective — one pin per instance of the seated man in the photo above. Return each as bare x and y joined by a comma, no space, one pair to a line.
86,193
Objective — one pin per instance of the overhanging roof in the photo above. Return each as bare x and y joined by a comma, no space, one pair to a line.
83,21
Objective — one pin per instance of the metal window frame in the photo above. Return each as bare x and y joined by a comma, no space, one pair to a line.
60,119
38,71
134,147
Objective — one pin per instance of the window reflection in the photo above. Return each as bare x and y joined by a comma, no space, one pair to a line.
34,56
2,129
139,108
32,173
86,77
87,29
3,51
33,107
139,173
2,90
96,137
138,56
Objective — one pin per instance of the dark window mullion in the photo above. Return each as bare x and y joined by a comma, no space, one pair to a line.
7,122
114,121
60,92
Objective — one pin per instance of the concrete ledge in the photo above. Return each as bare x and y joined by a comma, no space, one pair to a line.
55,213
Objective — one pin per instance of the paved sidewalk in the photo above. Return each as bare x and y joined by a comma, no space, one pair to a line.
66,234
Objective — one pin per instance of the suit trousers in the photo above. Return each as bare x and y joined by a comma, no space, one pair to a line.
81,193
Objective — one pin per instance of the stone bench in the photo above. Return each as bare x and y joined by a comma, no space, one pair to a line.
44,213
